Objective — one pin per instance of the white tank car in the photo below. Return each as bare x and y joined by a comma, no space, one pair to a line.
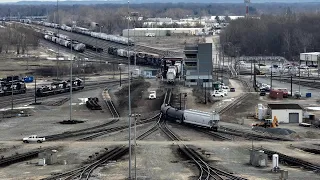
201,118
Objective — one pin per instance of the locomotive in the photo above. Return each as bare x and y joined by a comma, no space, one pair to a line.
59,87
10,83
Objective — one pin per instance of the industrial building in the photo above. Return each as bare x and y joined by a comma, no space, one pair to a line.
310,58
198,65
140,32
286,113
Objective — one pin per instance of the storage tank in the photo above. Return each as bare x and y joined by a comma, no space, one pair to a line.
260,111
275,161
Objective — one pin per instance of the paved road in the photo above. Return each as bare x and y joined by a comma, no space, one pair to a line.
277,84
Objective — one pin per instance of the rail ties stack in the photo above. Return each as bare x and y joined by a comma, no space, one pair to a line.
92,103
294,161
18,157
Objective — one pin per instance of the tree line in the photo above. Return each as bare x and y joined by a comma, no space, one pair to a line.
18,38
283,35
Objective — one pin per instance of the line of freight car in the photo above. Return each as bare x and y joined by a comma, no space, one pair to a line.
103,36
99,42
76,46
87,32
142,58
94,48
91,55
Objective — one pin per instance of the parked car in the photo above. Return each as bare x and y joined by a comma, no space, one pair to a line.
224,91
262,92
33,138
217,94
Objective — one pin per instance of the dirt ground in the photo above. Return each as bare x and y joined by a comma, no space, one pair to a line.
172,43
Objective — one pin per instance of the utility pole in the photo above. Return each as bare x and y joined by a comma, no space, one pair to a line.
291,85
180,101
205,93
251,69
120,75
135,143
271,78
58,54
129,94
12,92
35,91
71,83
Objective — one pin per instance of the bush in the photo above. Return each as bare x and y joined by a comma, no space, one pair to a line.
200,95
136,89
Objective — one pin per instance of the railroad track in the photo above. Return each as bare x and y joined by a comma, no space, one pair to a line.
112,109
105,44
293,161
84,172
206,171
29,96
250,135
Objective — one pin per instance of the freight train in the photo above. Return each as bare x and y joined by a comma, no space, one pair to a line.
12,82
173,72
142,58
87,32
191,117
59,87
65,41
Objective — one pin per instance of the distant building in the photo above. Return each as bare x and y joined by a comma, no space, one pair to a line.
310,58
161,31
198,65
286,113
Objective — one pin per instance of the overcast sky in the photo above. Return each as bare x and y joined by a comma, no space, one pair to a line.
240,1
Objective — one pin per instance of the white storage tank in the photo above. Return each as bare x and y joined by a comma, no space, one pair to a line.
260,111
275,161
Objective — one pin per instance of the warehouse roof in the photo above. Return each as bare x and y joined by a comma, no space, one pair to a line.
284,106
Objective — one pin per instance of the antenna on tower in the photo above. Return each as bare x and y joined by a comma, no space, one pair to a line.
247,7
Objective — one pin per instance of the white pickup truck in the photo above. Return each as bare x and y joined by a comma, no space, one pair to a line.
152,95
33,138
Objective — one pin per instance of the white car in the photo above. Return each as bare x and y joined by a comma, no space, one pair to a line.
223,91
33,138
217,94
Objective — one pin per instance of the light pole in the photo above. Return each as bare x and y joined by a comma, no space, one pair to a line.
71,80
12,92
135,143
134,15
129,94
100,51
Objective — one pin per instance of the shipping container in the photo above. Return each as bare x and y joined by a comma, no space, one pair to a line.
276,94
